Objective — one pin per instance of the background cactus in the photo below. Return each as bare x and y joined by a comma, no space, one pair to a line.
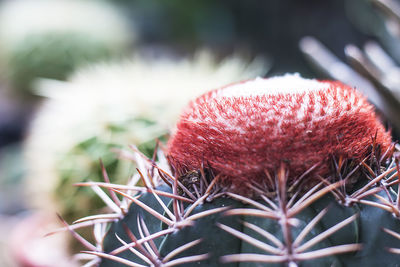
348,217
55,37
126,105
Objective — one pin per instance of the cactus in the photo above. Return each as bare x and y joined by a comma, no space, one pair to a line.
341,211
56,37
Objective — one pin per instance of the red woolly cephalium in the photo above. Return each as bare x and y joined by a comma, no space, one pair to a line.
242,130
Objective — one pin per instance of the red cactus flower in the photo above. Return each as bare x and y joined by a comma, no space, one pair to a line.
245,129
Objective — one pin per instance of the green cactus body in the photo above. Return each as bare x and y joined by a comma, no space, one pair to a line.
225,229
81,164
366,229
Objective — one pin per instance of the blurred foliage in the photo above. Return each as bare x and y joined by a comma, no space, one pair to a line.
12,171
194,21
373,68
371,20
259,27
54,55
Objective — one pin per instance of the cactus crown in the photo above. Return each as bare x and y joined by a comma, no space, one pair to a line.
244,130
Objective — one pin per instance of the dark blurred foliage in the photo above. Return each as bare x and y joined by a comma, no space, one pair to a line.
12,120
272,28
370,20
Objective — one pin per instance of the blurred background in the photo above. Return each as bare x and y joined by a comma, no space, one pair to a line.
80,79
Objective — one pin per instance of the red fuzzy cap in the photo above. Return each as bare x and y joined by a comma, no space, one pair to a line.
242,130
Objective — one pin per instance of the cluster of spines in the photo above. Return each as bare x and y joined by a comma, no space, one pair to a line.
282,207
